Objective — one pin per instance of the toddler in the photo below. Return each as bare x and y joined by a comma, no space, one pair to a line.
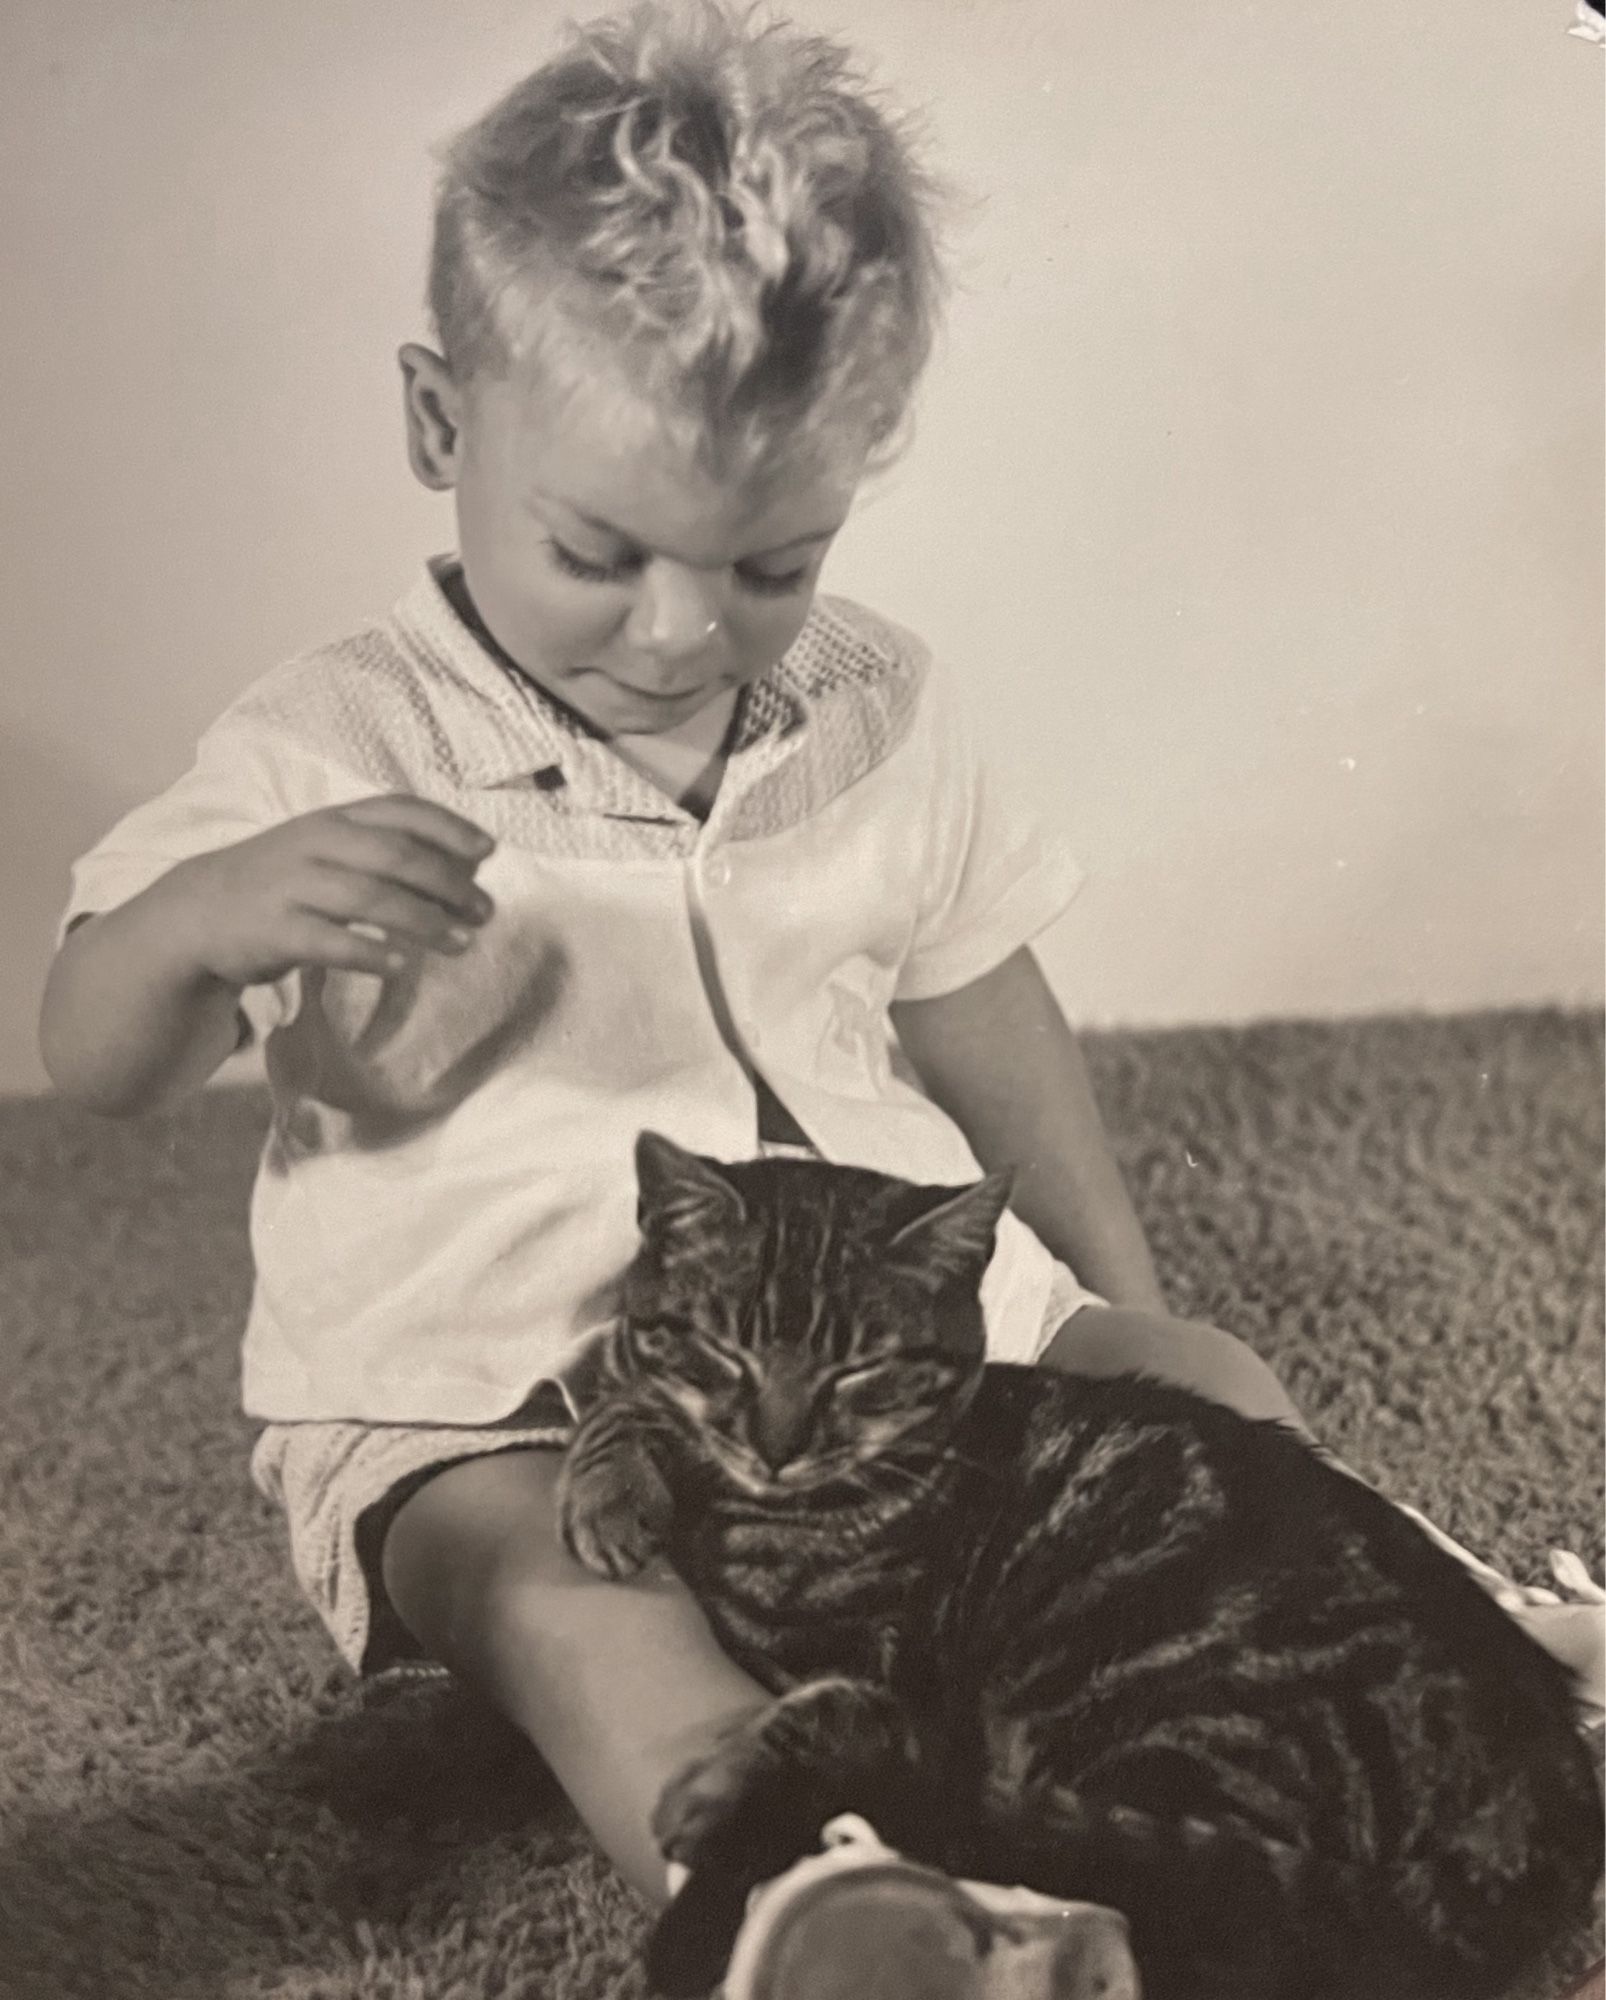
614,822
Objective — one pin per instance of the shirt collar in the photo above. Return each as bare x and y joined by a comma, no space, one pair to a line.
502,728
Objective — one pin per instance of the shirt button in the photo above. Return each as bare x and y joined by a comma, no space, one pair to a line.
718,874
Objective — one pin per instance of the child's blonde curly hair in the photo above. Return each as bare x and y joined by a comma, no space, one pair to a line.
724,205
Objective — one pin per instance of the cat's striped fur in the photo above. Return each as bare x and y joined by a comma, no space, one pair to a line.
1104,1638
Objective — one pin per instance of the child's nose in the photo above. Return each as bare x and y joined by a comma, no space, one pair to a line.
675,615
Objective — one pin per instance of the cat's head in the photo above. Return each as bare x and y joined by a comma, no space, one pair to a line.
806,1318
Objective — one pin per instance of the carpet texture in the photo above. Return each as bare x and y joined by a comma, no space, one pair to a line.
197,1802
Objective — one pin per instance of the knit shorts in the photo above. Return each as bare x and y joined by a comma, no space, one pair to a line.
341,1484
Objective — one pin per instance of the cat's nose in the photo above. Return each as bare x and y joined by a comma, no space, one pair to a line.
780,1426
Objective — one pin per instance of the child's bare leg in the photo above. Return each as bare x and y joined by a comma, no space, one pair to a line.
618,1685
1109,1340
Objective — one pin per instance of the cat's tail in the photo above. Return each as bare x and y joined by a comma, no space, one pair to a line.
1219,1911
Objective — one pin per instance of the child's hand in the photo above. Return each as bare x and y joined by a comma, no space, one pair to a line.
400,865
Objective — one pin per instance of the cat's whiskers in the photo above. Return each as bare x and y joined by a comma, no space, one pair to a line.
946,1455
753,1477
740,1465
924,1484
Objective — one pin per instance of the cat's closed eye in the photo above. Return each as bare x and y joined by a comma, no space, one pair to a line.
657,1339
876,1386
677,1346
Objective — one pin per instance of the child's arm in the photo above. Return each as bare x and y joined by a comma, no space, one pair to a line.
129,1022
142,1002
1001,1060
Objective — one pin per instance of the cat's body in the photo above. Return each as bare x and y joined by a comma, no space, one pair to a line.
1103,1638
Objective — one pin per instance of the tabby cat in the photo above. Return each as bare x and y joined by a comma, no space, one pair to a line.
1104,1638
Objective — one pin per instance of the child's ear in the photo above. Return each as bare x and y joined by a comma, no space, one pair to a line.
951,1235
678,1190
433,404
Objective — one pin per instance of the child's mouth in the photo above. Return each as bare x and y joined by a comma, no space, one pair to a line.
667,698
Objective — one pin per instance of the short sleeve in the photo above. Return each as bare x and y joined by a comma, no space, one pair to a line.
994,879
238,786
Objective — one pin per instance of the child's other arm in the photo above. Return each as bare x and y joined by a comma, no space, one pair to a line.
999,1057
142,1003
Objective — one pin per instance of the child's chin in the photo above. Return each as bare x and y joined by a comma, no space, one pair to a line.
632,714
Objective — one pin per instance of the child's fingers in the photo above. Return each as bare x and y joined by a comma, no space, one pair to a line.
376,855
347,897
320,940
438,826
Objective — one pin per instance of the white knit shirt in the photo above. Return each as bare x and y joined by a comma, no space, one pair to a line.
446,1196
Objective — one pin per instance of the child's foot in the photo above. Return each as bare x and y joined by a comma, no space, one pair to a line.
1569,1622
857,1922
1572,1626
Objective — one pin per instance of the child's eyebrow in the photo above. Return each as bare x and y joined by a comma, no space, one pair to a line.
602,527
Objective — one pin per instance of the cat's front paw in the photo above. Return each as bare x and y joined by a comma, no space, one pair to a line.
713,1817
614,1512
711,1791
755,1800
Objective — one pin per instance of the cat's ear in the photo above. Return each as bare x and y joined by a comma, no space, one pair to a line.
951,1235
677,1190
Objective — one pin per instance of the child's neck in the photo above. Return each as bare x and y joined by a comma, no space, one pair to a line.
688,760
685,762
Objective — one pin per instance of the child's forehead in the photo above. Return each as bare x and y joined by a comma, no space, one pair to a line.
588,407
594,447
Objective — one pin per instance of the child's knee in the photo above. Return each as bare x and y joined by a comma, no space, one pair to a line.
1112,1340
468,1552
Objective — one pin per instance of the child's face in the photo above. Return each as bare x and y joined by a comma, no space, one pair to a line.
602,560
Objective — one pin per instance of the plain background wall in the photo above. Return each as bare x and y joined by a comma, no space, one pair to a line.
1257,485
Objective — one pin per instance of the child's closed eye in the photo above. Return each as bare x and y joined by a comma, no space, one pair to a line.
622,568
591,572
